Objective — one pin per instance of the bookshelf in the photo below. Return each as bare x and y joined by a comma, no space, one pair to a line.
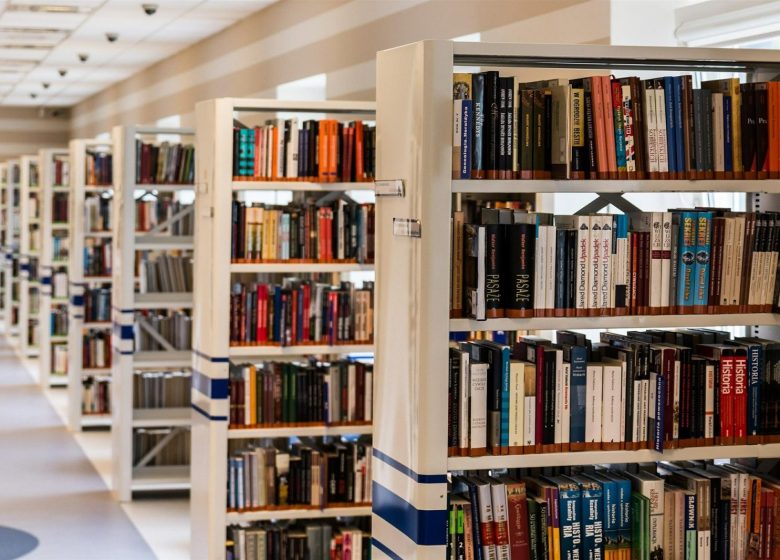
79,282
214,276
3,235
128,245
11,227
29,255
411,459
55,190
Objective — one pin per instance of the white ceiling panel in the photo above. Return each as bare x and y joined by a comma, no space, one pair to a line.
142,40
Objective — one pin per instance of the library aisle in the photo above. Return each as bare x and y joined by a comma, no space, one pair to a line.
51,494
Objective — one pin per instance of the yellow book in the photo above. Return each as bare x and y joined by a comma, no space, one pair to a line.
252,397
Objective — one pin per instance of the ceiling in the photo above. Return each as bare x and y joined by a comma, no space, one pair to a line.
39,39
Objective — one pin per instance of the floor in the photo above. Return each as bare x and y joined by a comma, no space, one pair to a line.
54,485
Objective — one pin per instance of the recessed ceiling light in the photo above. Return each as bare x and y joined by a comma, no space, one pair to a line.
45,85
83,57
62,72
48,8
33,95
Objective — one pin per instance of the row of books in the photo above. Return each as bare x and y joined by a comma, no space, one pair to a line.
168,163
324,151
614,128
97,214
519,264
163,210
34,175
175,451
96,349
97,305
165,273
651,389
59,358
58,325
319,476
60,247
59,284
61,173
161,389
299,312
337,540
59,208
286,393
173,326
33,335
95,395
339,231
685,511
99,168
97,256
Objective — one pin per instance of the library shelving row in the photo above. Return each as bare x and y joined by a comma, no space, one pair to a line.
3,235
11,227
29,254
215,275
135,305
89,285
411,463
53,267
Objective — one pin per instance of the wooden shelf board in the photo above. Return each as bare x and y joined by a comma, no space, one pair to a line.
626,321
613,457
280,351
356,511
299,431
157,417
292,268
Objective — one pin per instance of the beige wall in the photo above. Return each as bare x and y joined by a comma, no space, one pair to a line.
23,130
294,39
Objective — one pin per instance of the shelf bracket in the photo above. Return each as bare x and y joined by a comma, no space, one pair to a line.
178,216
605,199
157,449
151,331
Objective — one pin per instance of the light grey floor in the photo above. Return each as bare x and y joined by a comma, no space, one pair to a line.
48,487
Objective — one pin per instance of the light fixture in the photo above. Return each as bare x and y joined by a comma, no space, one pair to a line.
62,72
33,95
45,85
83,57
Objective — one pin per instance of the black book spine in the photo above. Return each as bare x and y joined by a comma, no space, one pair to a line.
511,125
501,157
762,128
687,90
538,131
490,130
561,280
549,398
452,402
494,284
520,245
571,269
590,132
630,396
547,132
685,397
749,129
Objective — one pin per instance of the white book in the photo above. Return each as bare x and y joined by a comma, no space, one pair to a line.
478,413
636,428
529,421
566,403
582,224
500,515
516,402
739,247
457,141
656,258
549,263
593,403
709,402
612,383
718,148
280,145
606,287
727,271
558,396
666,257
651,126
645,409
540,267
463,400
660,119
594,258
291,163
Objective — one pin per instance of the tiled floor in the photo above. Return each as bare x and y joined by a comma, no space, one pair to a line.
55,485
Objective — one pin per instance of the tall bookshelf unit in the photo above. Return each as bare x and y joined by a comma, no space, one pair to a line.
55,189
29,255
212,354
127,301
12,252
3,235
411,464
79,282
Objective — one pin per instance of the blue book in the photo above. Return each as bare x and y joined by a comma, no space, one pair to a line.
578,357
624,510
755,363
467,119
703,248
610,513
686,260
728,136
591,517
277,315
671,144
679,140
569,509
620,239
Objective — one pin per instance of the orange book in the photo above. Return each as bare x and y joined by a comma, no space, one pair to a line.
322,151
609,126
774,130
358,150
333,154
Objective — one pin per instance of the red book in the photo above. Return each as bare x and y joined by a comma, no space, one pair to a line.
262,313
539,438
517,513
609,125
740,396
727,399
633,299
358,150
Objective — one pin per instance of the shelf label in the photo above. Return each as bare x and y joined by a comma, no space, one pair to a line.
405,227
389,187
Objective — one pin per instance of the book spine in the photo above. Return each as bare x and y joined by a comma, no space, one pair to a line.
702,266
651,128
590,133
579,160
467,112
740,397
727,400
691,541
477,153
582,224
619,128
578,357
521,249
686,260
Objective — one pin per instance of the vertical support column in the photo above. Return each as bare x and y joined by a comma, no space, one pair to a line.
46,164
212,281
414,120
76,281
